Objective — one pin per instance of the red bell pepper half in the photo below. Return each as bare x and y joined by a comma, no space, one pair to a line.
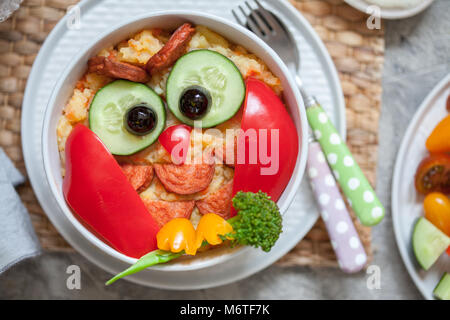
276,155
102,198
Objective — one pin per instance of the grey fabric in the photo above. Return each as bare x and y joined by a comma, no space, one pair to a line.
13,175
17,238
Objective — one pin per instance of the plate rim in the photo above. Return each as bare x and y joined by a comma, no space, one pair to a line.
391,13
58,31
402,247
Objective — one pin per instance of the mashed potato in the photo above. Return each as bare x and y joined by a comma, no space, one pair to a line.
140,48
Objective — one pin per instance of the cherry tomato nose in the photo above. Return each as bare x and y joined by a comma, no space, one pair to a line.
176,140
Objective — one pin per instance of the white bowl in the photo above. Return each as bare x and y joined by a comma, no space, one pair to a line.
391,12
168,19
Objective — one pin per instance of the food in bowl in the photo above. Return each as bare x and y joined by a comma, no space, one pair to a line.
431,234
153,144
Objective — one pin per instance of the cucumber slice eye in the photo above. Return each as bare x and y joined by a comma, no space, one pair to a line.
217,75
214,77
112,119
107,116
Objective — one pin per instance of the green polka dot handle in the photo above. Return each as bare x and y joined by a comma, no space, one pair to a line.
354,184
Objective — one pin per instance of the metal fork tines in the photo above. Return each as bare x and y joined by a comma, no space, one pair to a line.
258,20
271,30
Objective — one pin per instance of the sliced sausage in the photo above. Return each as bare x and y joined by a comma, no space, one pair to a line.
172,50
218,202
140,176
186,178
164,211
110,67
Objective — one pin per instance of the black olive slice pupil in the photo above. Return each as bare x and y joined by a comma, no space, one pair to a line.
195,102
140,119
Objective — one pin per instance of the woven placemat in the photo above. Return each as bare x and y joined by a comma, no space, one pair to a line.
356,51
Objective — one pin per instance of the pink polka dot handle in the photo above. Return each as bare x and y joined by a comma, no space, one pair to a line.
344,238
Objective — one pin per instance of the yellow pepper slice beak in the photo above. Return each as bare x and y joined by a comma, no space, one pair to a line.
177,235
210,227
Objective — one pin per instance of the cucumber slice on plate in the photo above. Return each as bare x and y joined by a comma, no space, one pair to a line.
108,110
442,290
220,79
428,243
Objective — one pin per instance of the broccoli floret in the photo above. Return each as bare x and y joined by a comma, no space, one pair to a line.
258,222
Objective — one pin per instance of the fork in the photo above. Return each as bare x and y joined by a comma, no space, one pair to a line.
344,238
351,179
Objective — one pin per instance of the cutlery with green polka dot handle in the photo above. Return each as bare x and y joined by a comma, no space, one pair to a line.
354,184
360,194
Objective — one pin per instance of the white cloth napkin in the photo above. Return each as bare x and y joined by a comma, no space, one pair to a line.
17,237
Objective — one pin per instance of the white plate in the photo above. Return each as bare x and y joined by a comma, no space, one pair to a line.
391,13
320,79
407,204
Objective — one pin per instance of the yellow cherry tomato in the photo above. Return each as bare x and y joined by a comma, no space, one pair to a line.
176,235
437,211
210,227
439,139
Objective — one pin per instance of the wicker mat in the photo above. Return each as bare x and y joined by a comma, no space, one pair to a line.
356,51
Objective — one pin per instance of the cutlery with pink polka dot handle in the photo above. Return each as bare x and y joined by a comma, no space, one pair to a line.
344,238
354,184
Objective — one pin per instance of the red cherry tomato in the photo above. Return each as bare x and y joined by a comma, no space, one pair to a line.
176,140
433,174
265,114
102,198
